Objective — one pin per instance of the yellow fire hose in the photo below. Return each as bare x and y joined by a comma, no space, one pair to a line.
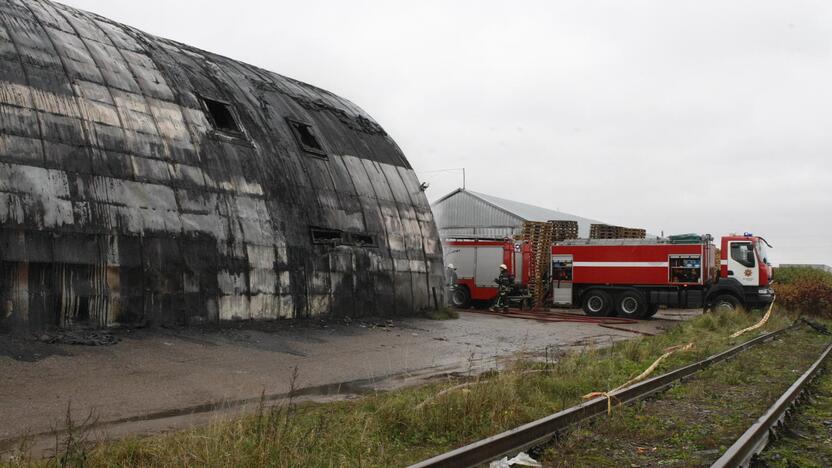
667,353
759,324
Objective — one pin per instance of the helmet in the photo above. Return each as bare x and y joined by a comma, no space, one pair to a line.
451,266
503,267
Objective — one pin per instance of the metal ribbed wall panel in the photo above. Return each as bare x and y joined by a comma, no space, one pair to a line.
468,213
463,214
480,233
120,203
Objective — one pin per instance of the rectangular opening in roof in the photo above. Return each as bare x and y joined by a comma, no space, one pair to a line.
327,236
306,137
222,116
362,240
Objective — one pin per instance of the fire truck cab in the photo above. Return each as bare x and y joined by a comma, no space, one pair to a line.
745,273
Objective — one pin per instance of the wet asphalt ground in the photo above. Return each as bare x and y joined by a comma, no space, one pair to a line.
164,379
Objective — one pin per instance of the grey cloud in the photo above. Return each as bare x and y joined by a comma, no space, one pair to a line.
707,116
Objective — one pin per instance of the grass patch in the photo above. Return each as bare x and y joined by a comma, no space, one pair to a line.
693,423
443,314
402,427
797,274
808,439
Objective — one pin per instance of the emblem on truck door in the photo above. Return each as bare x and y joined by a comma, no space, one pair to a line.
748,273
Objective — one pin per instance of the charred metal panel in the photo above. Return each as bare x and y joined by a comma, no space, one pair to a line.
142,180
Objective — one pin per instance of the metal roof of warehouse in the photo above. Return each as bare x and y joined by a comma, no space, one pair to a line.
530,212
519,209
466,212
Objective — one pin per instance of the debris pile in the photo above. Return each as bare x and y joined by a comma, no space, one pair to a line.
80,338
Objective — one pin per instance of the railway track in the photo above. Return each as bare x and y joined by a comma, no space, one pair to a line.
539,432
755,439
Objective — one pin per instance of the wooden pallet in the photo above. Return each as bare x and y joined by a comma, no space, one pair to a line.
539,237
605,231
563,230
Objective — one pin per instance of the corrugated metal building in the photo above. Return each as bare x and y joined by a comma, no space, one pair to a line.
465,213
144,180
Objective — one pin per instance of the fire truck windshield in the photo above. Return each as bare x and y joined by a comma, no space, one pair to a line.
762,252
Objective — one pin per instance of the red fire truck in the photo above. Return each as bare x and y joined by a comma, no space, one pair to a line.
626,277
477,263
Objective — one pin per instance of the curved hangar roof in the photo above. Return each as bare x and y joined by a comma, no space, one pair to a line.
145,180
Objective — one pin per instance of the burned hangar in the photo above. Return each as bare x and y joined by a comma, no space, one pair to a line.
143,180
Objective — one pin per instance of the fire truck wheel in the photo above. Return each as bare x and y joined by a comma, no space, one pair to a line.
632,305
597,303
725,302
461,298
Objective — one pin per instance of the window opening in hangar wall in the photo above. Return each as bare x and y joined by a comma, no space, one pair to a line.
307,138
362,240
327,236
222,116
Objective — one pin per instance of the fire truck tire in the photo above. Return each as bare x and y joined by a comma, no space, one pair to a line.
726,302
631,305
461,297
597,303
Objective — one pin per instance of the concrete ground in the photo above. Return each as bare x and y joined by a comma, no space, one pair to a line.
156,380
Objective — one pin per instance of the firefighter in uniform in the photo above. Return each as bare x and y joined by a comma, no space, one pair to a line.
505,283
452,278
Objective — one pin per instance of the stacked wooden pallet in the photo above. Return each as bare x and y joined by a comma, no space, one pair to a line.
539,237
563,230
605,231
633,233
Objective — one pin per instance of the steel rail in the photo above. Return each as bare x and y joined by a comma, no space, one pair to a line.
755,439
537,432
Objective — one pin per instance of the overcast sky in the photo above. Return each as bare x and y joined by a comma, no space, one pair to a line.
676,116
